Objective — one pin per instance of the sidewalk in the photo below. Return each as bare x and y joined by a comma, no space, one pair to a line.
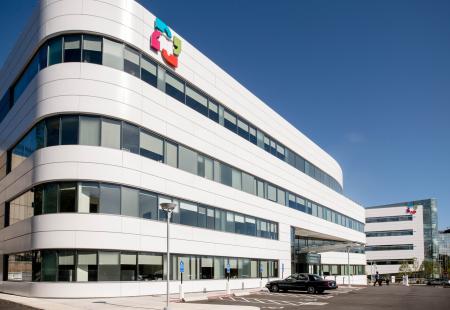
140,302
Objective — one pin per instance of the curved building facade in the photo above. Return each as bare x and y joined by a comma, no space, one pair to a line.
106,113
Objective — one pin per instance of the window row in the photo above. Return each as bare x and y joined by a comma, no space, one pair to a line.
342,270
391,262
106,198
382,219
390,247
105,265
390,233
107,132
107,52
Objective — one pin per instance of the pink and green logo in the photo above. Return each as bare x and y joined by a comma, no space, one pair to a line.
162,30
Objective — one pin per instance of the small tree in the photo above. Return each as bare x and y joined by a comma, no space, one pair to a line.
427,268
416,267
404,268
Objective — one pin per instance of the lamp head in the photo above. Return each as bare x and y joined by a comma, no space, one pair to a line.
168,206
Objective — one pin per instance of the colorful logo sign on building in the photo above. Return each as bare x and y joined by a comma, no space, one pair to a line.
162,30
411,210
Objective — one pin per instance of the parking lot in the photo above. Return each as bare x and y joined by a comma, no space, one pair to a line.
385,297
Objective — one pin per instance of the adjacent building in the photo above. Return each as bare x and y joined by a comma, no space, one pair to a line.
444,251
401,233
105,113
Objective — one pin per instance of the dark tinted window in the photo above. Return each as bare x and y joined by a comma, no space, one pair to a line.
92,49
52,131
69,130
174,87
131,61
130,138
196,101
148,71
55,51
72,48
67,196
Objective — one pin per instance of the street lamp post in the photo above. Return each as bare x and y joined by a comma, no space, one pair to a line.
348,265
168,207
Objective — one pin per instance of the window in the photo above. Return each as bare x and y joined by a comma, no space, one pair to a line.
130,138
87,266
19,267
152,147
239,224
131,61
233,267
243,129
52,129
4,105
188,213
201,217
260,139
174,87
92,49
109,199
72,48
150,267
128,267
55,51
108,266
67,196
130,201
148,206
236,179
66,265
171,154
196,101
250,226
49,265
226,174
209,169
206,268
219,268
50,198
210,218
244,268
230,222
187,160
43,53
301,204
25,79
148,71
69,130
213,111
260,187
220,220
201,166
248,183
281,196
89,130
88,197
113,54
110,133
252,135
230,120
271,192
266,144
280,152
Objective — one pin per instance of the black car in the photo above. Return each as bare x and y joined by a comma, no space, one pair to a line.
437,281
311,283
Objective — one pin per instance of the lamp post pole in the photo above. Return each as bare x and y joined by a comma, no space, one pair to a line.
168,207
348,266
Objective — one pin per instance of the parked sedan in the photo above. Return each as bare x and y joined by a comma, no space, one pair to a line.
302,282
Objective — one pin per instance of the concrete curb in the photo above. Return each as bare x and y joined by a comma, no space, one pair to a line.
194,298
238,294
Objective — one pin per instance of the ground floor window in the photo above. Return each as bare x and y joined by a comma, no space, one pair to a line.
70,265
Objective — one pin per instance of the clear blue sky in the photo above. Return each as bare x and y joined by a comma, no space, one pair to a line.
369,81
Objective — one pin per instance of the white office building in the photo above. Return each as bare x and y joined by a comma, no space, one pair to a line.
401,233
106,113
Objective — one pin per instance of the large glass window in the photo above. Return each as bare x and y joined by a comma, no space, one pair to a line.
213,111
110,199
130,138
89,130
148,71
55,51
150,267
128,267
66,265
72,48
206,268
201,217
86,266
220,220
148,205
52,131
196,101
243,129
271,192
281,196
88,197
131,61
108,266
230,222
19,267
244,268
171,154
174,87
111,133
188,213
239,224
152,147
67,197
130,201
26,77
210,218
43,54
69,130
92,49
250,226
49,265
112,54
230,120
236,179
187,159
225,174
50,198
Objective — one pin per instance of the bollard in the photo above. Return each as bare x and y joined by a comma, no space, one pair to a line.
406,280
181,292
393,279
228,288
260,284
